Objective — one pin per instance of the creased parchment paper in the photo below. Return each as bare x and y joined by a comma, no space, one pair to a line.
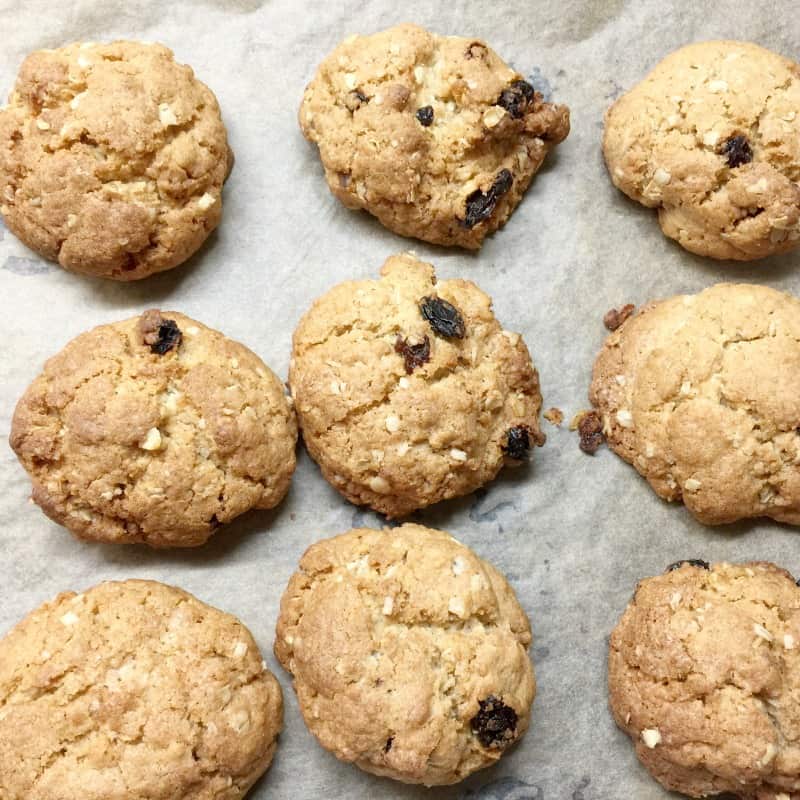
573,533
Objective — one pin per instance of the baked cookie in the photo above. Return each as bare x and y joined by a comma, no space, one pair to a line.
711,139
134,690
701,393
156,430
409,654
434,135
704,674
112,159
408,391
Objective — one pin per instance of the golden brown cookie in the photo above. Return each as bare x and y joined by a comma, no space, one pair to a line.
434,135
156,430
112,159
133,690
409,654
701,393
704,675
409,391
710,138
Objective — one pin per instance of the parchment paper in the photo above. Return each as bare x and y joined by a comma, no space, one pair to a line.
573,533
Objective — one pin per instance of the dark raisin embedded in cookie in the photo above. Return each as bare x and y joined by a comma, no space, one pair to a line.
516,98
388,746
495,724
616,316
590,429
518,442
425,116
691,562
415,355
737,151
355,100
480,205
160,333
444,318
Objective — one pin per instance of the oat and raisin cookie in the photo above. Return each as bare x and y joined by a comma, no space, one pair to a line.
434,135
409,653
134,690
112,159
701,393
711,138
704,675
408,391
156,429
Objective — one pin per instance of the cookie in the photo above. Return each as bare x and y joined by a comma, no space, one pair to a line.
409,654
701,393
408,391
710,138
155,430
112,159
436,136
130,690
703,674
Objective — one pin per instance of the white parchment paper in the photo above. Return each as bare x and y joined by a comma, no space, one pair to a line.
573,533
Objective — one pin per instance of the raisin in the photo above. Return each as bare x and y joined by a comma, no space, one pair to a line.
590,429
415,355
518,442
160,333
495,724
615,317
480,205
692,562
425,116
355,100
388,746
445,319
516,97
737,151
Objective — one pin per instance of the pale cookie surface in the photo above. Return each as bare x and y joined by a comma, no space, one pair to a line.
112,159
156,429
704,674
409,653
133,690
711,138
401,410
434,135
701,393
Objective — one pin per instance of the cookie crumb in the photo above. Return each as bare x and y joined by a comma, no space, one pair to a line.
614,317
555,416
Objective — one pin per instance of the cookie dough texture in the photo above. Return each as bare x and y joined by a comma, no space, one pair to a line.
124,444
701,393
711,138
410,128
393,639
133,690
703,675
112,159
399,435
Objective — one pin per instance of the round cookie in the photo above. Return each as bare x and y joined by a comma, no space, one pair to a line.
156,429
408,391
704,674
409,654
434,135
711,139
112,159
701,393
132,690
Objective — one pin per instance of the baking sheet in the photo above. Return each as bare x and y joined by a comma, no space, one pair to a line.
573,533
